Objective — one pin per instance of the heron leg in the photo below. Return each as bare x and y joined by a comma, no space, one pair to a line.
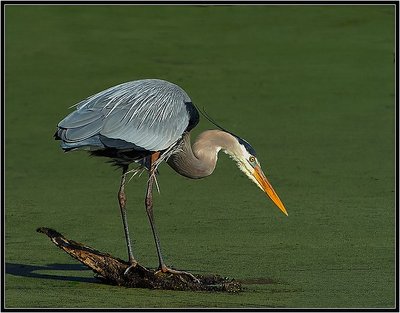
150,215
149,209
122,205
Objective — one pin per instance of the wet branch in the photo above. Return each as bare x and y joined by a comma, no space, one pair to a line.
111,270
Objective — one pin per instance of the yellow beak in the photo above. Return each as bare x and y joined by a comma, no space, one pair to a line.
266,186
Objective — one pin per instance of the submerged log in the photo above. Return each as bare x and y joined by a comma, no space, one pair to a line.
111,270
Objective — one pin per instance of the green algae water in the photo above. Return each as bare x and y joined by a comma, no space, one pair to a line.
310,87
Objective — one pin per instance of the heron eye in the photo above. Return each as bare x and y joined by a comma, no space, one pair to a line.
252,159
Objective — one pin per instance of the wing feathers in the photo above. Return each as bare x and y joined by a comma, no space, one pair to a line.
150,114
79,118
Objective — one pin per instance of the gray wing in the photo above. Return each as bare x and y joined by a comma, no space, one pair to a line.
148,114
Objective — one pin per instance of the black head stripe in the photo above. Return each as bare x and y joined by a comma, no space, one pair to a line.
248,147
191,107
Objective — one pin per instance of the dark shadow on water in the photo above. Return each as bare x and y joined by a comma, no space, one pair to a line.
26,270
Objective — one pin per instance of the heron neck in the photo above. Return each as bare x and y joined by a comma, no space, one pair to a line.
199,160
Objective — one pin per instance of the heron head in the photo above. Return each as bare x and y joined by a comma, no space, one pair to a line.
245,157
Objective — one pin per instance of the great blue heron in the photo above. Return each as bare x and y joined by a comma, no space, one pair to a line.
149,121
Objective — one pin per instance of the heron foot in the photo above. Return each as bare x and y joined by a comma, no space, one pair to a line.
165,269
133,263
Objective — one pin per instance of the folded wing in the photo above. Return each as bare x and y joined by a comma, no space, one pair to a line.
147,114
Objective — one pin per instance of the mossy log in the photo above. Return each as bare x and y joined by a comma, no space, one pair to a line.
111,270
